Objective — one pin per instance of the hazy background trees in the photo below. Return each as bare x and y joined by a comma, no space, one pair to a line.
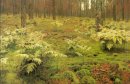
116,9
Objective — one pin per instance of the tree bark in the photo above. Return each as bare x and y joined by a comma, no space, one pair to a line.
23,13
123,17
53,10
114,10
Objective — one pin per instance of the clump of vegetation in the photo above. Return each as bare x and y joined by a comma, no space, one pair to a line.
115,25
75,67
29,64
76,48
32,50
83,72
88,80
71,76
10,39
56,24
117,81
57,76
109,38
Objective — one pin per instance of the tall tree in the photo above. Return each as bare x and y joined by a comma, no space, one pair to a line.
1,7
44,6
23,13
114,10
31,9
123,17
53,9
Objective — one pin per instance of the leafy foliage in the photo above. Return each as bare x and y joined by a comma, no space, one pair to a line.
109,38
117,81
57,24
83,72
30,46
76,48
71,76
88,80
26,52
29,64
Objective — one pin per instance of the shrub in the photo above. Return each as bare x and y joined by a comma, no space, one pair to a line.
57,25
9,39
83,72
117,81
71,76
109,38
88,67
29,64
75,67
57,76
76,48
88,80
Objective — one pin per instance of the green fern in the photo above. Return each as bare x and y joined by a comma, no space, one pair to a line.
30,67
112,37
76,47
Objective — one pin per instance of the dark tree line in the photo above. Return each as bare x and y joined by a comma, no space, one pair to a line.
116,9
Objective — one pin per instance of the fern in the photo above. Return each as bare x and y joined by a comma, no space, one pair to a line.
76,47
112,37
29,64
53,53
37,60
30,67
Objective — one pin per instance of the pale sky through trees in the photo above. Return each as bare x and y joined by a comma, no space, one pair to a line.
89,4
83,5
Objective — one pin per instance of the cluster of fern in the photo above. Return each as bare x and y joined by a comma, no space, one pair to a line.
30,46
81,76
110,38
37,50
76,47
115,25
10,39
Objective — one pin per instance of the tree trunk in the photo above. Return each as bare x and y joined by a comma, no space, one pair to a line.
53,10
44,10
123,17
31,9
114,10
23,13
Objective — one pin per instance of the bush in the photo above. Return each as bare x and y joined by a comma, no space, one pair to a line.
77,47
83,72
88,67
117,81
109,38
88,80
57,76
71,76
75,67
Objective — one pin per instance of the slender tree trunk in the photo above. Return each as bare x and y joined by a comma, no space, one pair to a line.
53,10
128,9
123,17
114,10
31,9
1,8
1,2
44,3
23,13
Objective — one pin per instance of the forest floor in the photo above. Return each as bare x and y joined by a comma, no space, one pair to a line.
74,28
